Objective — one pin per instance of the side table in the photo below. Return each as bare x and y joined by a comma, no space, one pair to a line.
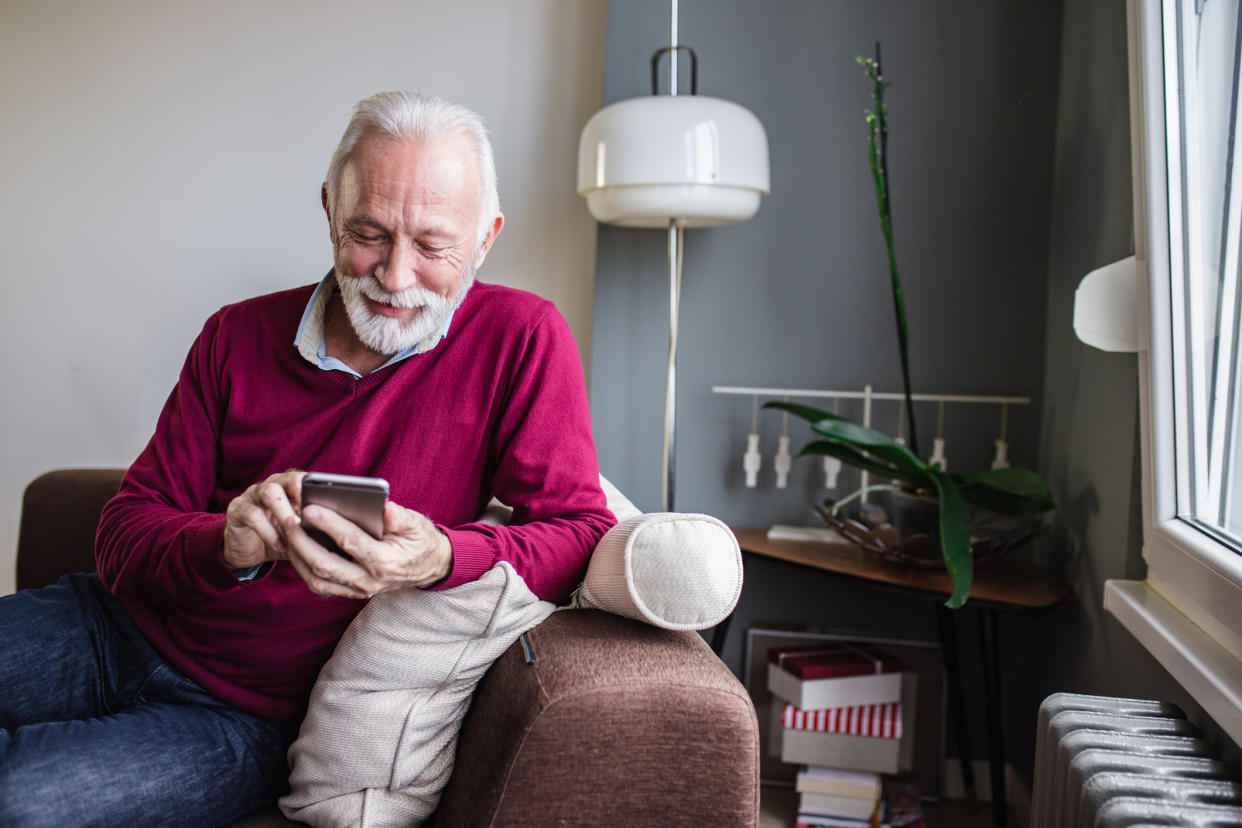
1007,584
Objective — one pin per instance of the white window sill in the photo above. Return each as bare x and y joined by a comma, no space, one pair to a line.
1211,674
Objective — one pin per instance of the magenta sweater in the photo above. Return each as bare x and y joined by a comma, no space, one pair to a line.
497,408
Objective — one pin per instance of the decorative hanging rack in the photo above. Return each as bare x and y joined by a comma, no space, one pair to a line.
868,395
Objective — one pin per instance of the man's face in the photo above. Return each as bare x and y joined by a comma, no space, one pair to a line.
404,230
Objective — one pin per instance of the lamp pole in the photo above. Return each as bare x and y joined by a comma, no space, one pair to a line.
674,283
647,162
675,244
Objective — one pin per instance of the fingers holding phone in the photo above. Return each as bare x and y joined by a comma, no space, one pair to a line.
380,545
341,516
253,530
414,552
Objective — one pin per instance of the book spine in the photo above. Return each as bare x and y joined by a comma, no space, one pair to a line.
842,807
815,779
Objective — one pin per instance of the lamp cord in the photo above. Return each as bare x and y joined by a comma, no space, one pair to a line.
672,80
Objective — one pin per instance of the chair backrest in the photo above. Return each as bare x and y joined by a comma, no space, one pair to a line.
60,513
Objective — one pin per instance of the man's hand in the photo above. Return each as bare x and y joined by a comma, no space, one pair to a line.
413,553
253,533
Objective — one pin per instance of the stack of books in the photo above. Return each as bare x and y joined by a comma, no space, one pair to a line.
828,795
893,803
845,716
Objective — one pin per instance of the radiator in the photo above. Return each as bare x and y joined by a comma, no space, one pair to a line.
1103,762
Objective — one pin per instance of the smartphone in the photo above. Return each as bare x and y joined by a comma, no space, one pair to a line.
357,499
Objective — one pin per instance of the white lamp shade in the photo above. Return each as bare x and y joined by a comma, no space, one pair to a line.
644,161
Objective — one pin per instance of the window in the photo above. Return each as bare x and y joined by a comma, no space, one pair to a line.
1184,60
1205,203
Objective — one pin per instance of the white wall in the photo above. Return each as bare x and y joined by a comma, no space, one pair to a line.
160,159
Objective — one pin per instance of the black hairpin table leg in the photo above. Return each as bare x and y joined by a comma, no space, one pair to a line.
957,705
990,658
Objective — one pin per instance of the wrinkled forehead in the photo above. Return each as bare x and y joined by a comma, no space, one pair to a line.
440,170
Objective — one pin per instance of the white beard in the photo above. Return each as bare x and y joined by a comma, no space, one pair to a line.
390,336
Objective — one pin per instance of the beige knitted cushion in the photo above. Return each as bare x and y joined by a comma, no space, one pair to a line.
376,747
672,570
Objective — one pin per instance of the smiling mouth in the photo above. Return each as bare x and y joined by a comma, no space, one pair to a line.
391,311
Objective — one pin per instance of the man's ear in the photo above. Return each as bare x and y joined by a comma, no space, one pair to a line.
327,211
489,239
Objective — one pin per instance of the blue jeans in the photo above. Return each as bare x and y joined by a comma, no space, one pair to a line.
96,728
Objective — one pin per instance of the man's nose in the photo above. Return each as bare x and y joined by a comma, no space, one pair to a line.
397,272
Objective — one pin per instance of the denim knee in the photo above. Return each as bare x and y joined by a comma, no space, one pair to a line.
35,796
175,764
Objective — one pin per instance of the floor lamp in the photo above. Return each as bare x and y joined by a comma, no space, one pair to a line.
673,161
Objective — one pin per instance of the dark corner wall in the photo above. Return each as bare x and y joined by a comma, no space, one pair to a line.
1090,429
799,296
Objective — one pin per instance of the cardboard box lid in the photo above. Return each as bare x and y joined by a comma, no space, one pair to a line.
833,661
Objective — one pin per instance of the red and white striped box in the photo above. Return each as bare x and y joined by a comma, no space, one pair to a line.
879,720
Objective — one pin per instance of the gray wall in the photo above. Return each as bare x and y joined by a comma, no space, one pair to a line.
799,296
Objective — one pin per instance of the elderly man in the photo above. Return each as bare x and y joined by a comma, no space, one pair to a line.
167,689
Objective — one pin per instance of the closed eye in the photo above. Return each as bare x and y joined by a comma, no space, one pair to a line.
365,230
369,238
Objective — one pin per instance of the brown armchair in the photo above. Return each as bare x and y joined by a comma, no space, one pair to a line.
616,722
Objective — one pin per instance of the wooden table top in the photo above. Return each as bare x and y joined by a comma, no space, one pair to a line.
1010,581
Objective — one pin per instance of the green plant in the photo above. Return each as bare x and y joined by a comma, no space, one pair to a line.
877,135
1010,491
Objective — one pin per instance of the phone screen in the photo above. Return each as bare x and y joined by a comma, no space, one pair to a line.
357,499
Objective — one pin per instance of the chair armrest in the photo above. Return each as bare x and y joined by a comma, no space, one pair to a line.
60,513
616,723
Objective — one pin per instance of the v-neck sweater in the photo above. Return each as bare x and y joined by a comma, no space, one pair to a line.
498,408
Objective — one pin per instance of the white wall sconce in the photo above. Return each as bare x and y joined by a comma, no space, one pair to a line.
1105,305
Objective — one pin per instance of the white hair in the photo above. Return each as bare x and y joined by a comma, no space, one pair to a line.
423,118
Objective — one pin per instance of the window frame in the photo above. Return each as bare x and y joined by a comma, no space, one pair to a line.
1188,612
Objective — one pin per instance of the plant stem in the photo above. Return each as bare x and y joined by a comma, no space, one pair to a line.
878,134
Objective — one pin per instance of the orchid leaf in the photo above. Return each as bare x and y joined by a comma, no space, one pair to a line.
1010,491
897,460
877,444
954,538
854,457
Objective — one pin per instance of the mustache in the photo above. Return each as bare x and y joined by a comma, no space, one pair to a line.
414,297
